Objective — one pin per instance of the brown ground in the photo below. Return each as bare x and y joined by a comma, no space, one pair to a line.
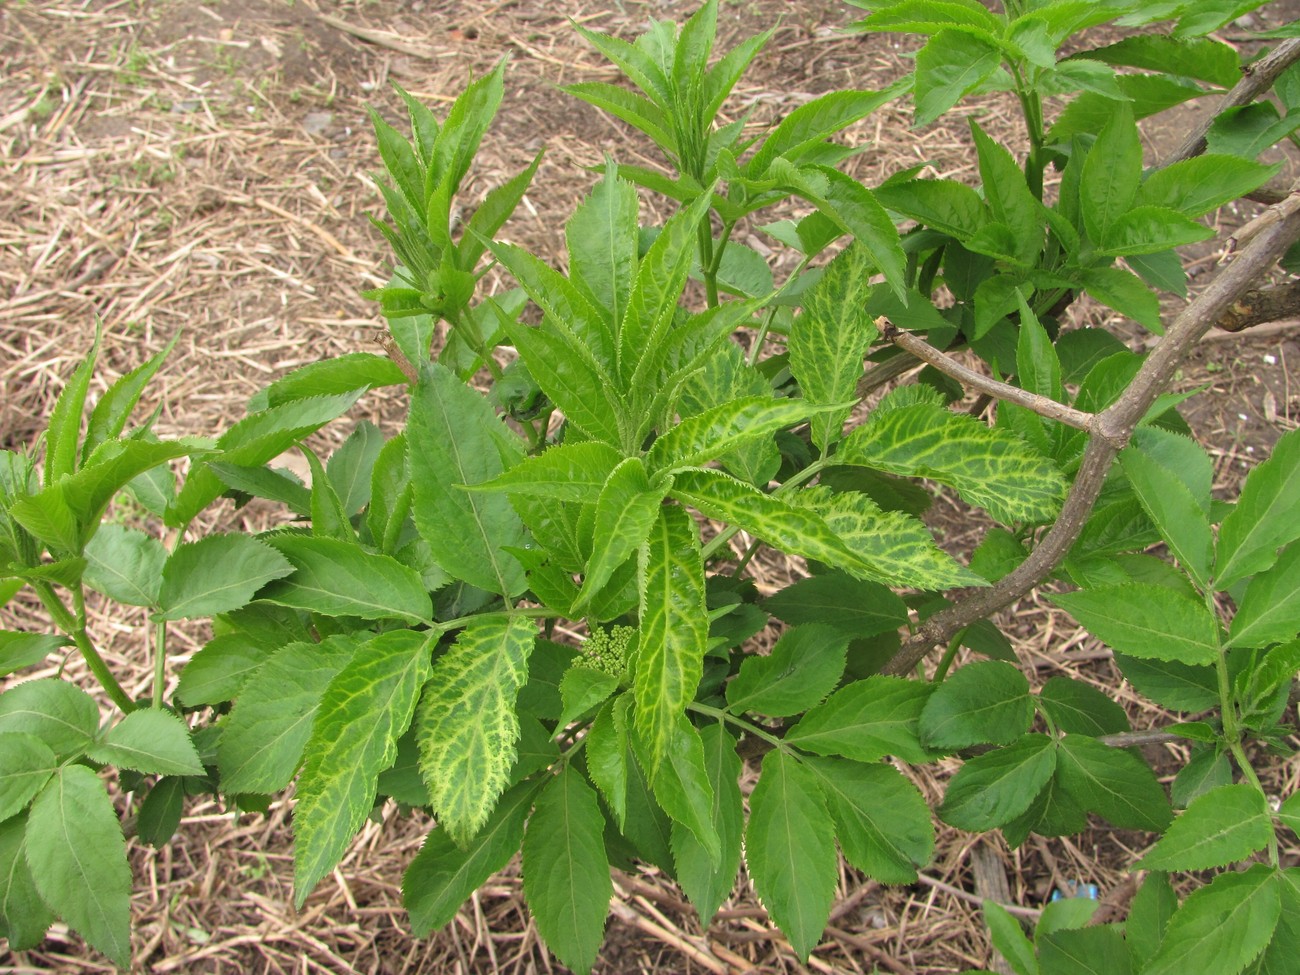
204,166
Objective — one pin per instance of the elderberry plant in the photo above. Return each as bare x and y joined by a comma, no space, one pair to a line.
394,640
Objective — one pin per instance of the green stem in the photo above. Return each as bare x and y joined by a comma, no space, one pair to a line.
159,662
96,663
741,723
705,237
1032,108
949,656
474,342
770,317
745,559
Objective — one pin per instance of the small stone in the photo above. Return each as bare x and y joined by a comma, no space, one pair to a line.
315,123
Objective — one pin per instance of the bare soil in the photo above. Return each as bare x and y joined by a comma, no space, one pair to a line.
204,167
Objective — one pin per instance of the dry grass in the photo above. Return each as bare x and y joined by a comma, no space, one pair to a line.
203,168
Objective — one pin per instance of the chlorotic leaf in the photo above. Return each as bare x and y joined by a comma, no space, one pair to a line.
566,872
467,721
77,856
365,709
626,512
790,850
674,629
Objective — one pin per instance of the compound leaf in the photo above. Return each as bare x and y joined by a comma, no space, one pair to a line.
1146,620
1267,515
217,574
982,703
705,882
337,578
1222,826
1113,782
866,720
804,666
1222,927
149,740
58,712
992,789
24,917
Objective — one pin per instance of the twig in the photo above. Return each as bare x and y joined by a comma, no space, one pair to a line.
1111,430
1154,736
382,38
1261,305
1041,405
969,898
1259,77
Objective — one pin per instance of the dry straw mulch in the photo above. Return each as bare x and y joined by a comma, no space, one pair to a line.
203,167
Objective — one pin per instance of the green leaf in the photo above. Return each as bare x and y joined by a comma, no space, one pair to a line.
21,650
659,281
492,214
49,519
1146,620
706,883
582,690
59,713
220,668
790,850
1096,950
1270,609
829,340
161,811
866,720
856,608
364,711
607,756
881,819
854,209
1280,955
1080,709
1150,230
217,574
337,578
1194,187
109,417
1112,782
467,721
674,629
1220,827
1181,518
706,436
796,531
1112,174
454,438
64,428
24,917
26,764
810,124
602,237
1267,516
952,64
443,875
264,736
1222,926
566,472
253,441
1009,939
626,513
566,873
1248,130
1010,200
1200,58
330,377
1125,293
77,857
149,740
992,789
991,468
982,703
682,788
125,564
1153,906
804,666
351,466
